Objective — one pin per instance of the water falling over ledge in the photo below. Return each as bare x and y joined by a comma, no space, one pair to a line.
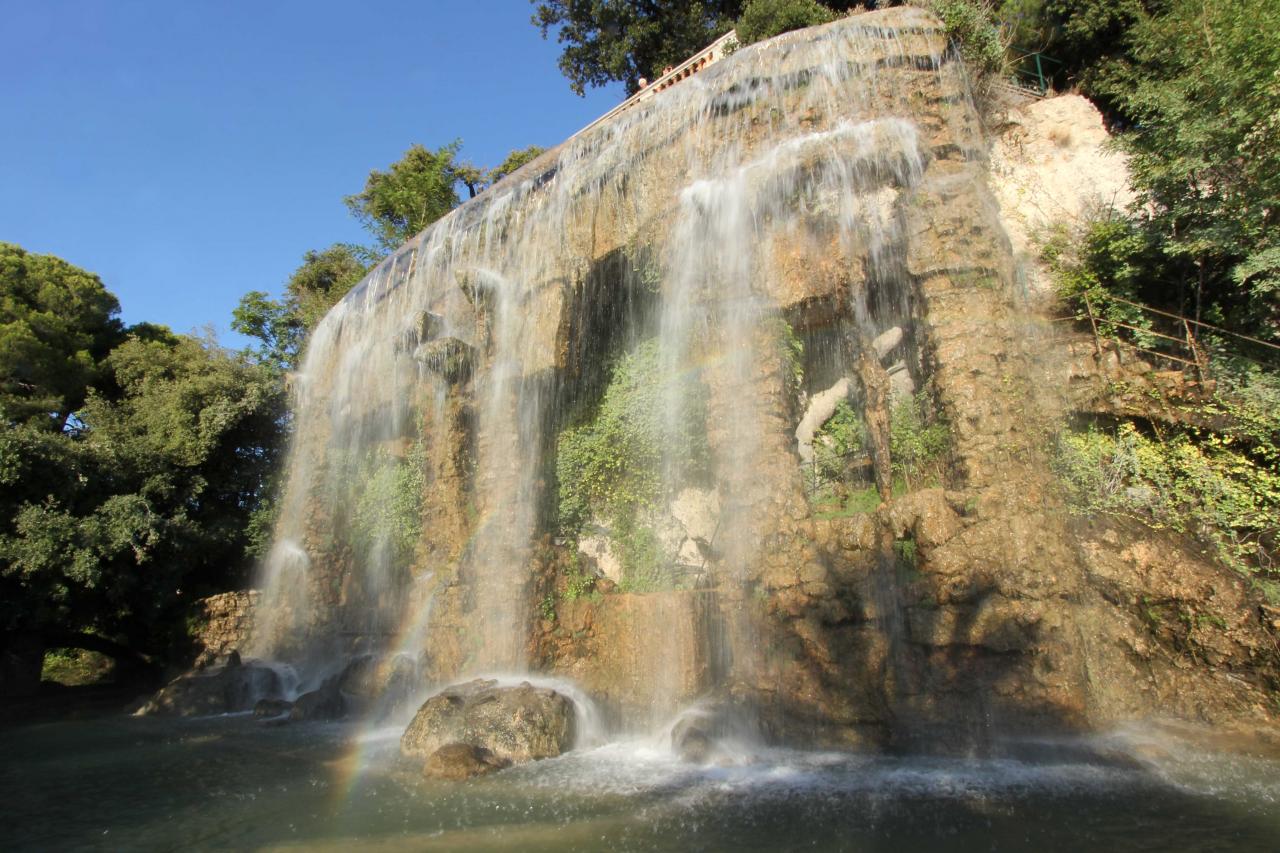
669,294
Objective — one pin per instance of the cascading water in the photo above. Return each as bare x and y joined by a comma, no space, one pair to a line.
705,286
690,210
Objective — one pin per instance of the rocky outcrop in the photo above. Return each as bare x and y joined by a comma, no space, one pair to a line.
215,690
494,724
1052,167
839,179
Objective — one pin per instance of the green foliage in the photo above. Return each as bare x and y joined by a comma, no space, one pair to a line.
630,39
57,323
762,19
611,465
547,607
114,526
514,161
76,667
842,438
1194,90
791,347
316,286
918,445
906,554
1218,486
614,464
388,503
972,26
415,191
578,584
1200,87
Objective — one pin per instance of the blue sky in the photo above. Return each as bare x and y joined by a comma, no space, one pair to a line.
188,151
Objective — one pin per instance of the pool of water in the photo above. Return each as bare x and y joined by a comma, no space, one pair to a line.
232,782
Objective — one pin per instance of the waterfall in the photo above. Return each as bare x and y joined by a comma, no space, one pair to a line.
759,200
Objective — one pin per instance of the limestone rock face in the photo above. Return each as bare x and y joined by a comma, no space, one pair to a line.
808,194
512,724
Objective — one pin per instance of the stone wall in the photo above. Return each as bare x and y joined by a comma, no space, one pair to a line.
225,621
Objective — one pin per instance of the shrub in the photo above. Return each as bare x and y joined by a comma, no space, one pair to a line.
388,505
617,463
837,442
972,27
1207,484
762,19
917,445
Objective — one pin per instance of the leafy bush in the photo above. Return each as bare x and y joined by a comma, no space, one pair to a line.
972,27
1207,484
616,464
837,442
917,445
762,19
388,505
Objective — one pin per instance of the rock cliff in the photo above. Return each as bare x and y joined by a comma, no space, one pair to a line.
706,264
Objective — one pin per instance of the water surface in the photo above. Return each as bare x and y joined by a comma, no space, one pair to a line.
232,782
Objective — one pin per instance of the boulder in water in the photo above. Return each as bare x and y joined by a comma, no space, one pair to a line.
214,690
272,707
382,681
325,703
516,724
457,761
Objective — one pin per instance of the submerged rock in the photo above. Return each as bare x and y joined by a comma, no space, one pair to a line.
515,724
215,690
457,761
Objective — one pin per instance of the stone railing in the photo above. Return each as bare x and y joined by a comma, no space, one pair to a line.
709,55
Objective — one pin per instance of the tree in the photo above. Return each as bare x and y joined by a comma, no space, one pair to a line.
283,326
113,529
418,189
514,161
1200,88
57,322
625,40
762,19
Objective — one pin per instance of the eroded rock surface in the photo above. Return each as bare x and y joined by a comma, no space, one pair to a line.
513,724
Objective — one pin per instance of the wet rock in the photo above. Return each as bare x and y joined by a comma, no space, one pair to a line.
599,547
272,707
927,516
325,703
886,342
214,690
821,407
455,762
387,680
516,724
901,385
698,511
692,739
